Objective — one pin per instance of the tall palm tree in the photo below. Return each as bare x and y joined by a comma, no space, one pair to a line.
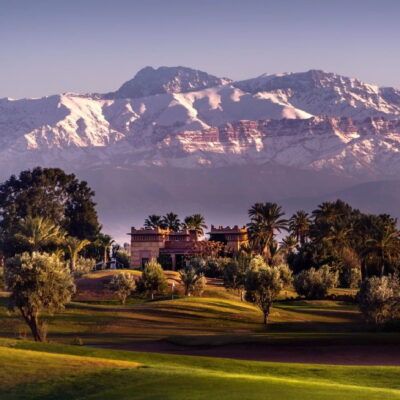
326,213
73,247
171,222
299,225
196,222
153,221
105,243
38,232
384,247
289,244
265,221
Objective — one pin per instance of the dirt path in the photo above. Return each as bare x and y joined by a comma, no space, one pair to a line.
318,354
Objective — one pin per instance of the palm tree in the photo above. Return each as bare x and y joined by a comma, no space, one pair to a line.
105,242
384,247
171,222
38,232
196,222
289,244
153,221
265,221
73,247
299,225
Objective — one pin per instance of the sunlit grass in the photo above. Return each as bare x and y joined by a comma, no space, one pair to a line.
98,374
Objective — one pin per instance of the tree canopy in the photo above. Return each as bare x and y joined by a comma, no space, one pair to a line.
48,193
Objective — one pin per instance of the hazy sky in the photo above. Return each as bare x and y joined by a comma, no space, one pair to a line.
54,46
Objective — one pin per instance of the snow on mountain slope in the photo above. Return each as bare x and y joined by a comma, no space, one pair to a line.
322,93
298,120
149,81
71,120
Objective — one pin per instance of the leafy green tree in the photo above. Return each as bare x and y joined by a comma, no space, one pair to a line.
235,273
195,222
154,221
73,247
37,233
122,285
171,221
38,282
153,280
263,285
265,221
379,299
49,193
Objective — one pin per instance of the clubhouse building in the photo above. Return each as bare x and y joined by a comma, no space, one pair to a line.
172,248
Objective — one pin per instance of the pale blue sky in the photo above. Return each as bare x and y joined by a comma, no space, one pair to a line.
52,46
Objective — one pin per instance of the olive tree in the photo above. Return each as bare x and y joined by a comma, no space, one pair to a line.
263,284
38,282
379,299
153,280
122,285
235,274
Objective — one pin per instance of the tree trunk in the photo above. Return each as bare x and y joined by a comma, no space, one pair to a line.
105,257
34,325
265,318
72,263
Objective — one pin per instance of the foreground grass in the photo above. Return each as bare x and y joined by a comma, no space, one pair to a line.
48,371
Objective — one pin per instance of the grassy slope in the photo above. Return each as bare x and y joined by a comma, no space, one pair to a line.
218,317
179,377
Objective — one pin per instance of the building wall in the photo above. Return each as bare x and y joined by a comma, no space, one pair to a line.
140,250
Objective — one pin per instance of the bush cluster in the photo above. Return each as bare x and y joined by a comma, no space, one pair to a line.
315,283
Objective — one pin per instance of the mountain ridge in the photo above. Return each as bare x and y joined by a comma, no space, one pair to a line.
314,123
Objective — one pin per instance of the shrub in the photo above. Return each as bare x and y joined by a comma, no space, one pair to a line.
122,285
123,258
153,280
192,281
200,286
314,284
379,299
84,266
215,267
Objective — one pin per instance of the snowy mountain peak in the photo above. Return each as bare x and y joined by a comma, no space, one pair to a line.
150,81
317,92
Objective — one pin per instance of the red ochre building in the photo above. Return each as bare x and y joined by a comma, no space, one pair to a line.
172,248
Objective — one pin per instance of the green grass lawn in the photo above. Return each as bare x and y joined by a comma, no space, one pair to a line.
60,371
219,317
49,371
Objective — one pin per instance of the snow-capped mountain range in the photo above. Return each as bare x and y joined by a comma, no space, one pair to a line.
187,118
177,117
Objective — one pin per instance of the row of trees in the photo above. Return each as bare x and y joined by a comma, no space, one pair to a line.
333,234
335,244
171,221
153,282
